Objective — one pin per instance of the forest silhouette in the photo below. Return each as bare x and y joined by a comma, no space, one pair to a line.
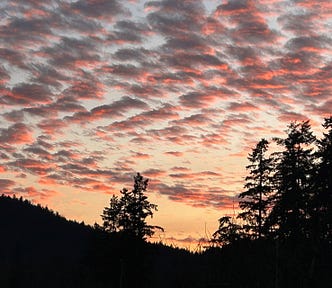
282,236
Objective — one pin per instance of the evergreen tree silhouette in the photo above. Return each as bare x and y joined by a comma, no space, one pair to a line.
111,215
322,202
293,180
128,213
258,184
228,232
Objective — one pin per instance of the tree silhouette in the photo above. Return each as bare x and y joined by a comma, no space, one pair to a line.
128,213
293,180
296,187
258,185
228,232
111,215
322,201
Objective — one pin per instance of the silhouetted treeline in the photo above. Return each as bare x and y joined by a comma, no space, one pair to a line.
288,193
281,238
286,217
39,248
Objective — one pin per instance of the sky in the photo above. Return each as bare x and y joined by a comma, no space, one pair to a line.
93,91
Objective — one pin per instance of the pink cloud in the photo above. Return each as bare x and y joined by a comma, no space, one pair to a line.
154,173
27,94
242,107
6,185
174,153
292,116
112,110
41,196
85,90
194,196
180,169
17,133
52,127
139,155
33,166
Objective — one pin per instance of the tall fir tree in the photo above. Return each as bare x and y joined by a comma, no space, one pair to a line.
322,201
293,180
258,184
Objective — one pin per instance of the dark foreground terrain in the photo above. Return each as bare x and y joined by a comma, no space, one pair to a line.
39,248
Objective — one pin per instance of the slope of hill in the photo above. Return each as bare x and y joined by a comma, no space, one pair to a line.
39,248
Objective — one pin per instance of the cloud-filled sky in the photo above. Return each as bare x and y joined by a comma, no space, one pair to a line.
93,91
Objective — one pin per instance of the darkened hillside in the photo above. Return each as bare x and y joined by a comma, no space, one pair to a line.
37,245
41,249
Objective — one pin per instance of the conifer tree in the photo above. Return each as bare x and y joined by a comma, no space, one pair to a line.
258,185
293,180
128,213
322,202
111,215
228,232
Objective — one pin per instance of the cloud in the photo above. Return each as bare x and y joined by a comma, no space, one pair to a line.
39,152
85,90
173,17
174,153
27,94
12,57
165,112
195,197
6,186
292,116
198,99
33,166
180,169
52,126
127,31
311,44
242,107
174,134
196,176
100,9
138,155
298,23
140,55
25,31
4,76
154,173
109,111
18,133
